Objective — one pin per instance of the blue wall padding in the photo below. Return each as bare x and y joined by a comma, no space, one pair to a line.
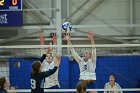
64,78
74,73
126,69
20,77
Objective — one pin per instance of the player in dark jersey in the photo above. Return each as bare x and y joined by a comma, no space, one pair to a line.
37,76
4,85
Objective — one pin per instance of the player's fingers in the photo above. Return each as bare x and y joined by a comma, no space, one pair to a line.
67,34
55,34
64,35
88,33
52,49
49,49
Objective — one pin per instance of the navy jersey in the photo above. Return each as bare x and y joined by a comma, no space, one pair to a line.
3,91
37,80
42,58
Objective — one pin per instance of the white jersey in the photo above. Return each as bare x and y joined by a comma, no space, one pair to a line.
116,86
87,69
53,79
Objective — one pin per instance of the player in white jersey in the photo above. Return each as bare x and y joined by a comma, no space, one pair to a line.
51,82
112,85
87,63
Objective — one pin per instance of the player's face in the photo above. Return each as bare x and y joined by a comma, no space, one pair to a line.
7,84
86,56
111,78
49,58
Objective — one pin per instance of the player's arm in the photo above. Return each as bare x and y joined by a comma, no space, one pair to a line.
67,38
93,53
42,58
52,71
74,53
119,87
49,73
54,40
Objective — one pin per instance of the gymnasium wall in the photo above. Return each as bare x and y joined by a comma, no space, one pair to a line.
4,69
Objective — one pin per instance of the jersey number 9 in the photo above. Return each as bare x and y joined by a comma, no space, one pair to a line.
33,84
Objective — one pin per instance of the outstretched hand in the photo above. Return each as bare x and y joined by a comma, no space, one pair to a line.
90,35
49,50
42,39
54,38
66,36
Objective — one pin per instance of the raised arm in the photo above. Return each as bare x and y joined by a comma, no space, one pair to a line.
74,53
93,53
49,73
67,38
42,58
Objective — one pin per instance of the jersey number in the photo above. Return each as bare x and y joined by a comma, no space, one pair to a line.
85,67
33,84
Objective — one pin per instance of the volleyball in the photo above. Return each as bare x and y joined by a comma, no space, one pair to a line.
66,27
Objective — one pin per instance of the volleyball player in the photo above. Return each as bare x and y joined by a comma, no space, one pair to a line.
51,82
37,76
87,63
4,85
81,87
112,85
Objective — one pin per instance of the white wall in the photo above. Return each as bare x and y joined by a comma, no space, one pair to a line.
137,15
4,69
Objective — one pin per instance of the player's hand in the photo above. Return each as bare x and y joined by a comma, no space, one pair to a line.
48,50
66,36
54,38
42,39
58,60
90,35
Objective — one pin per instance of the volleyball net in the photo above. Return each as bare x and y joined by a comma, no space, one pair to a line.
132,90
121,59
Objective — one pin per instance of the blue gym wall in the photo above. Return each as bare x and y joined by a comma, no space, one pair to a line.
126,69
19,77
